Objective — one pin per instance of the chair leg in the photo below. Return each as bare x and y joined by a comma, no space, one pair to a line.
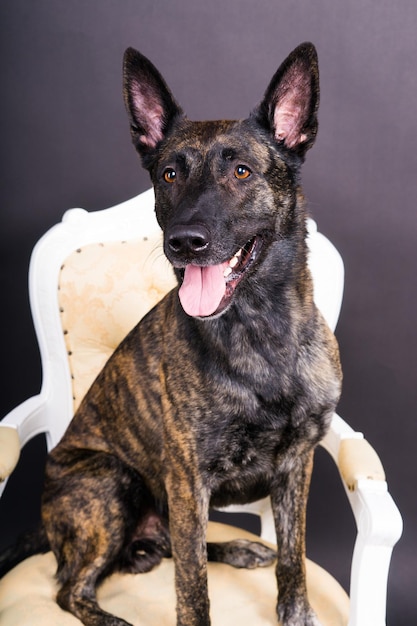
379,528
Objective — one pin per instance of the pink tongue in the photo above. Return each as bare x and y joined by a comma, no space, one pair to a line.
202,289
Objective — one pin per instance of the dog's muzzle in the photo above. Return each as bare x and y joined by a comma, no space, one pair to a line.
207,291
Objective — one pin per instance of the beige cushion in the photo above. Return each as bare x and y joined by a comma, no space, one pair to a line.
244,597
104,290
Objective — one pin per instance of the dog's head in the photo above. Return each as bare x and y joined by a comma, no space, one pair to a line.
226,191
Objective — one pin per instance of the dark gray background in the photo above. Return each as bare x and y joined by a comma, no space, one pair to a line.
65,142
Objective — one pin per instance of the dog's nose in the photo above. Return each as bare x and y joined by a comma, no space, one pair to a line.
188,239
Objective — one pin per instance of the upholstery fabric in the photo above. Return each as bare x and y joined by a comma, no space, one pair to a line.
244,597
357,459
104,290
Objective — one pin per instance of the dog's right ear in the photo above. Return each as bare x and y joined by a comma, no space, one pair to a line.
150,105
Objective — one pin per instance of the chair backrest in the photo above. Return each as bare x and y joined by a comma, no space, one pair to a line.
93,276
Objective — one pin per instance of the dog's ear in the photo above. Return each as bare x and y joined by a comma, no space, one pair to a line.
289,107
150,105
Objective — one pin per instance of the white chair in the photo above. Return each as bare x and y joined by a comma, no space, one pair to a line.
91,278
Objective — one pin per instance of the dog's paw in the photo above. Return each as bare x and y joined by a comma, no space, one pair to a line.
241,553
312,619
301,617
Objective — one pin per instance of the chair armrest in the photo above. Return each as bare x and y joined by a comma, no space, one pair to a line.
377,517
29,418
9,450
18,427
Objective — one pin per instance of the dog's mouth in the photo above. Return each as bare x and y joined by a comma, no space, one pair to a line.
207,291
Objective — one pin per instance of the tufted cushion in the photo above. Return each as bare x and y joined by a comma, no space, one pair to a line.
244,597
104,290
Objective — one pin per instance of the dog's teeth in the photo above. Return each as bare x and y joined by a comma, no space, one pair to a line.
233,261
227,271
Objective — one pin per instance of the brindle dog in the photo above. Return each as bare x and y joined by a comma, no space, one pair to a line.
221,393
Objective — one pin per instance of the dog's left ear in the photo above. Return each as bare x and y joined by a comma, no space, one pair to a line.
289,107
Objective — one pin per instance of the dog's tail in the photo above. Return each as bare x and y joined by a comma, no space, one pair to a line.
28,544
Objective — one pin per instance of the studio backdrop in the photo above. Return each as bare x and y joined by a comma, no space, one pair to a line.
65,142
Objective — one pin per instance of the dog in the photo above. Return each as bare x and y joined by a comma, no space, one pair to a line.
223,390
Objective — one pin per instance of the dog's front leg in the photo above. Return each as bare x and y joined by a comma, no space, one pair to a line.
188,516
289,500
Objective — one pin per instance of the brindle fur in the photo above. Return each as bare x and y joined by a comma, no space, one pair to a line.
191,413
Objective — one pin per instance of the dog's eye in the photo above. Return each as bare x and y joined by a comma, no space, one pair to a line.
170,175
242,172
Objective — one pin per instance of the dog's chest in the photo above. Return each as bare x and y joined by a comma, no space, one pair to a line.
238,458
248,431
238,464
232,452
